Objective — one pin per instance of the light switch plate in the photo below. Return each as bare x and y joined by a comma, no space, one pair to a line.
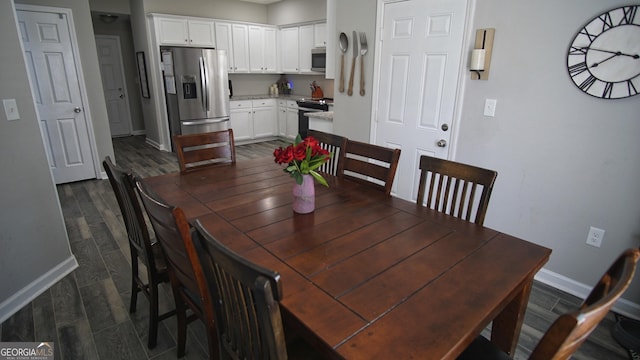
11,109
490,107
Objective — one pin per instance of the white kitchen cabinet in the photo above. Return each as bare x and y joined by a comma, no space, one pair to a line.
262,49
185,31
295,47
234,39
224,42
264,118
240,42
253,119
292,119
289,50
282,118
241,118
320,35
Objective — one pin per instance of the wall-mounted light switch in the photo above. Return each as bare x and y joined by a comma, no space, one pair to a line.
490,107
11,109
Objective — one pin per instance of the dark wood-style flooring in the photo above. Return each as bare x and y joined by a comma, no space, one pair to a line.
86,313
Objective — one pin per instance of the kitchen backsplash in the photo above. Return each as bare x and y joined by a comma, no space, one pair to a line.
258,84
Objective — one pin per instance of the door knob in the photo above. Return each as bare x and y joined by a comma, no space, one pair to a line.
441,143
77,110
121,96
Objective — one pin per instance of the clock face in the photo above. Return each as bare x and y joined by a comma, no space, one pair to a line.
604,57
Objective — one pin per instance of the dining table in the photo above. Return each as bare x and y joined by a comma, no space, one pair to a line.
365,275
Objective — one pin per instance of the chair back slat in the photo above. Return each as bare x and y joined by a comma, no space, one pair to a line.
363,162
195,151
570,330
453,188
246,298
335,144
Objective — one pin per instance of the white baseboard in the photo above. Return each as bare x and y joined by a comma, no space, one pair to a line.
622,306
27,294
154,144
139,132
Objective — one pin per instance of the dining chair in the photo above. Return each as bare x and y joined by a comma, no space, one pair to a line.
188,282
196,151
571,329
453,188
370,164
246,299
142,248
335,144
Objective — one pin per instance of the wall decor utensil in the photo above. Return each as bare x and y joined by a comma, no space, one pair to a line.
353,63
363,52
344,45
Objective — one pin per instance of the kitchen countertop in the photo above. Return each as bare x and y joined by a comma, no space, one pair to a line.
327,115
256,97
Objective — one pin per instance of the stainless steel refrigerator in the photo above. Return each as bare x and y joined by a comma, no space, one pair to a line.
196,89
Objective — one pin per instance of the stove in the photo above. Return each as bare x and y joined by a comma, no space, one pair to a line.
310,105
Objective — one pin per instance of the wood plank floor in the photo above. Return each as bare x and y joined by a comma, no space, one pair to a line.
86,313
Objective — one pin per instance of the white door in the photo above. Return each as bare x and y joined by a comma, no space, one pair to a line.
115,94
419,69
54,75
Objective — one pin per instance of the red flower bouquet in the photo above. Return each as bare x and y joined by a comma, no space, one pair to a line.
303,157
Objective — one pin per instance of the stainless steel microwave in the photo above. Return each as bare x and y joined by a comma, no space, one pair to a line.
319,59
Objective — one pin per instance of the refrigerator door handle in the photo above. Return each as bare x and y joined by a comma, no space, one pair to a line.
203,84
208,121
206,83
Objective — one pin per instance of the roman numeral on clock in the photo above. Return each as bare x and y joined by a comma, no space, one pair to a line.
578,68
629,14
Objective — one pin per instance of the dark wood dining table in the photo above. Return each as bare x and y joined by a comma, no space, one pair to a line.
365,276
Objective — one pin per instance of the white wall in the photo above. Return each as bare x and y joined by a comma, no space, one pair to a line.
218,9
34,248
296,11
565,160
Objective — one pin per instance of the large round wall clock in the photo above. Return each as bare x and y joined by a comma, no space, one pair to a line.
604,56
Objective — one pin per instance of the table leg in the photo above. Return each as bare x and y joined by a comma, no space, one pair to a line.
506,326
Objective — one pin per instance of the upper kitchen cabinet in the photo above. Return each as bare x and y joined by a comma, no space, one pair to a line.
185,31
320,35
234,38
262,49
295,48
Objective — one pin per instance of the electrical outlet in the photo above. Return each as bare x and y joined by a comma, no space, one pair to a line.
595,237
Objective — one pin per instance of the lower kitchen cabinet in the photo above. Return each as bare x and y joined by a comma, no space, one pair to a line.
287,119
253,119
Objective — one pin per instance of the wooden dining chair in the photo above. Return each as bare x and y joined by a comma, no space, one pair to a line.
571,329
335,144
196,151
452,188
188,282
370,164
142,249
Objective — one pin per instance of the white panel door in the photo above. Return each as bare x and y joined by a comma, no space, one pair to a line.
110,60
54,82
419,68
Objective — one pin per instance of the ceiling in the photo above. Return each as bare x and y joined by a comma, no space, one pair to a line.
263,2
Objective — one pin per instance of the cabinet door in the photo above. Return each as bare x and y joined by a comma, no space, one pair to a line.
282,121
270,50
201,33
173,31
264,121
292,123
256,49
224,41
241,119
289,50
320,35
306,44
240,43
